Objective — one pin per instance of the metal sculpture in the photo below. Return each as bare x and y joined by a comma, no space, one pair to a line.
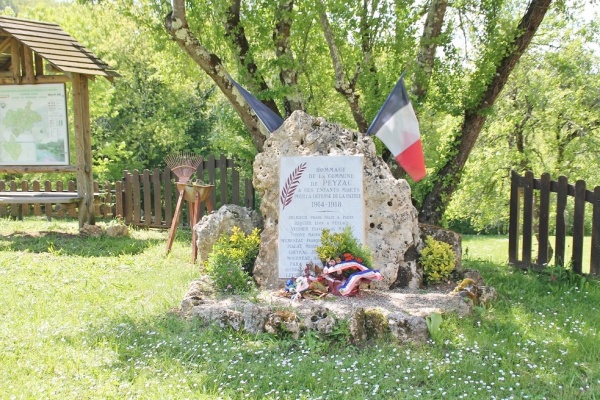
184,165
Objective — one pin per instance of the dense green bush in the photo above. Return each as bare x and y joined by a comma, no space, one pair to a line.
231,261
438,260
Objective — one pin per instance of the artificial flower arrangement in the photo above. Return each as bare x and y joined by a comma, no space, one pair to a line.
347,264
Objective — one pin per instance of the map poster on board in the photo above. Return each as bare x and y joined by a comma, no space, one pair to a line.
33,125
316,193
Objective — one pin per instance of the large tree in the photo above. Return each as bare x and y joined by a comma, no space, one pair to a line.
366,42
496,71
546,120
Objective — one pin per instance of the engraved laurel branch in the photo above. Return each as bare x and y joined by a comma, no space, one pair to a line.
291,184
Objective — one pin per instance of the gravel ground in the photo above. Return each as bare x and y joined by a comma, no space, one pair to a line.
421,303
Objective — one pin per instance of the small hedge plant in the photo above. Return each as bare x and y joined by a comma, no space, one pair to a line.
438,260
337,245
231,261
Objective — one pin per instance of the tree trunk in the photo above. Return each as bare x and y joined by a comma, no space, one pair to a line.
281,39
177,26
237,35
342,85
427,47
448,177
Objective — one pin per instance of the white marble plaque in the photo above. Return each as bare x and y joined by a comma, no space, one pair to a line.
316,193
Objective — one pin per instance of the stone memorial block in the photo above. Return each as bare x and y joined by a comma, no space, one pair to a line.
390,220
316,193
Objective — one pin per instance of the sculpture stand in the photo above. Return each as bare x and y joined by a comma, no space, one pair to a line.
194,194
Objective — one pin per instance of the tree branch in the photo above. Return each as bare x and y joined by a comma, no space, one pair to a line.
427,47
281,38
236,33
342,86
177,26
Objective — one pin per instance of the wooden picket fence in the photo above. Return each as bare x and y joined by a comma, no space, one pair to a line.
142,198
524,187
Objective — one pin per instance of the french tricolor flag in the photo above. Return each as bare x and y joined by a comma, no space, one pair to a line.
397,126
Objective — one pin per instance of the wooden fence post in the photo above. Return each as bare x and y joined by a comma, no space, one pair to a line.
24,206
156,186
222,165
168,196
578,226
128,195
119,198
37,208
595,256
147,197
212,177
513,226
48,206
527,217
137,201
249,194
561,223
2,207
544,216
235,184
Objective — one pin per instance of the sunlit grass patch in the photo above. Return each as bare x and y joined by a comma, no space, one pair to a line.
95,319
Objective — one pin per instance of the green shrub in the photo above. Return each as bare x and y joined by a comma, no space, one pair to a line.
231,261
438,260
338,245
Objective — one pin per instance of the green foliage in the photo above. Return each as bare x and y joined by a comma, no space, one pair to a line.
565,276
231,261
148,120
545,120
438,260
335,245
163,103
228,274
434,325
341,332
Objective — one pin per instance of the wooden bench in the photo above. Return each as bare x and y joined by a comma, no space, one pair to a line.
19,198
39,197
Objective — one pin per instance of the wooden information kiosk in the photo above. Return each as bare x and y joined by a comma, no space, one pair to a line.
40,53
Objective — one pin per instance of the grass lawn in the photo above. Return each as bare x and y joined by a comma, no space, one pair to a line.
495,249
93,319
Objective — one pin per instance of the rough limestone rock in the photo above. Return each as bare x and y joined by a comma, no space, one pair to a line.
474,288
231,318
282,321
91,230
377,315
390,218
474,275
255,318
213,225
408,328
318,319
117,230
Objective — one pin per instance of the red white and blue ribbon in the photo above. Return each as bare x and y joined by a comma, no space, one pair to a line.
363,273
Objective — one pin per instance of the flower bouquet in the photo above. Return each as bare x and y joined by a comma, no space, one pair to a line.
347,264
